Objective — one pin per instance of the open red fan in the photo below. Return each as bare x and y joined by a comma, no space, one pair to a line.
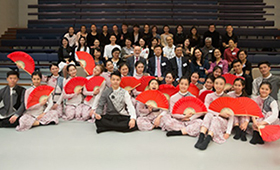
93,84
189,104
24,60
74,85
251,107
229,78
38,94
87,62
270,133
168,90
129,83
153,98
203,95
144,83
193,90
228,105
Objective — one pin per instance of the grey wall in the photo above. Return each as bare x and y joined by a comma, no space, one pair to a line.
275,11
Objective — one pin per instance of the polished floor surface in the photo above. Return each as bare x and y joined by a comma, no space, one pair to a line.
76,146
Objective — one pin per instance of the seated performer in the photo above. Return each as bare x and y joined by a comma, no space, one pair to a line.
12,93
119,114
39,114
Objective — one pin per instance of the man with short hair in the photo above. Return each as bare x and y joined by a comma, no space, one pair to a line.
265,68
237,67
179,64
124,34
207,49
11,101
168,51
213,34
109,47
132,60
120,114
229,35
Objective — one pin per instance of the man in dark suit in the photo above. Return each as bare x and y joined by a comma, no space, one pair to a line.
11,101
158,65
180,64
237,67
133,59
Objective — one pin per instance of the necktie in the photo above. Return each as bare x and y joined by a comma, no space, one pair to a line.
158,68
180,68
11,103
136,59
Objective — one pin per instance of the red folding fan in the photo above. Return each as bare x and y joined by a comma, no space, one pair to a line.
168,90
228,104
87,62
144,83
270,133
189,104
251,107
24,60
39,94
193,89
93,84
129,83
203,95
229,78
153,98
75,84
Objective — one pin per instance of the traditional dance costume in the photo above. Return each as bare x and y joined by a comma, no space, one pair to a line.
107,76
30,115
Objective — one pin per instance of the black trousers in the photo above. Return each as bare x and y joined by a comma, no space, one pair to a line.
6,123
114,123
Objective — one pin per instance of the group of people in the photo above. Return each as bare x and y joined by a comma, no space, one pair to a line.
114,108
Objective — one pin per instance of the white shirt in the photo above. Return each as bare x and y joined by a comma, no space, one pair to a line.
72,39
81,49
108,50
169,52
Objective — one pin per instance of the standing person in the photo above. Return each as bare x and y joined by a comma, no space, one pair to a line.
218,61
215,125
199,65
82,46
65,56
168,50
38,114
119,114
265,68
55,81
158,66
230,53
71,37
92,36
147,35
155,34
240,122
180,36
194,37
176,124
109,47
270,111
136,35
166,34
229,35
115,29
82,33
237,67
104,36
154,42
12,96
90,105
73,105
149,117
124,34
213,34
132,60
179,64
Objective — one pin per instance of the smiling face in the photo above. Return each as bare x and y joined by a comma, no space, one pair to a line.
217,54
157,51
219,85
140,68
96,43
237,86
209,84
186,42
109,66
124,70
194,78
169,79
12,80
93,28
264,90
83,29
97,70
242,56
82,41
179,52
265,70
142,42
237,67
54,70
116,54
197,54
194,31
115,81
184,85
217,73
153,85
72,71
36,80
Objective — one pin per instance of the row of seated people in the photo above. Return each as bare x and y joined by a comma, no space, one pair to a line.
123,113
148,34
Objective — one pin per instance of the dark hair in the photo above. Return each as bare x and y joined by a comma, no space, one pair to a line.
194,27
232,40
113,35
101,67
53,64
165,26
201,58
154,26
9,73
236,61
246,53
115,49
116,73
158,46
172,74
266,83
211,24
184,78
79,44
138,62
97,49
104,26
221,77
213,57
244,94
115,25
264,62
178,46
64,38
195,73
179,26
123,64
36,73
136,25
107,62
84,26
216,68
229,25
69,65
70,27
125,24
146,24
144,41
211,77
153,80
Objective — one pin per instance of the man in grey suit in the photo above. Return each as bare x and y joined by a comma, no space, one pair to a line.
133,59
11,101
